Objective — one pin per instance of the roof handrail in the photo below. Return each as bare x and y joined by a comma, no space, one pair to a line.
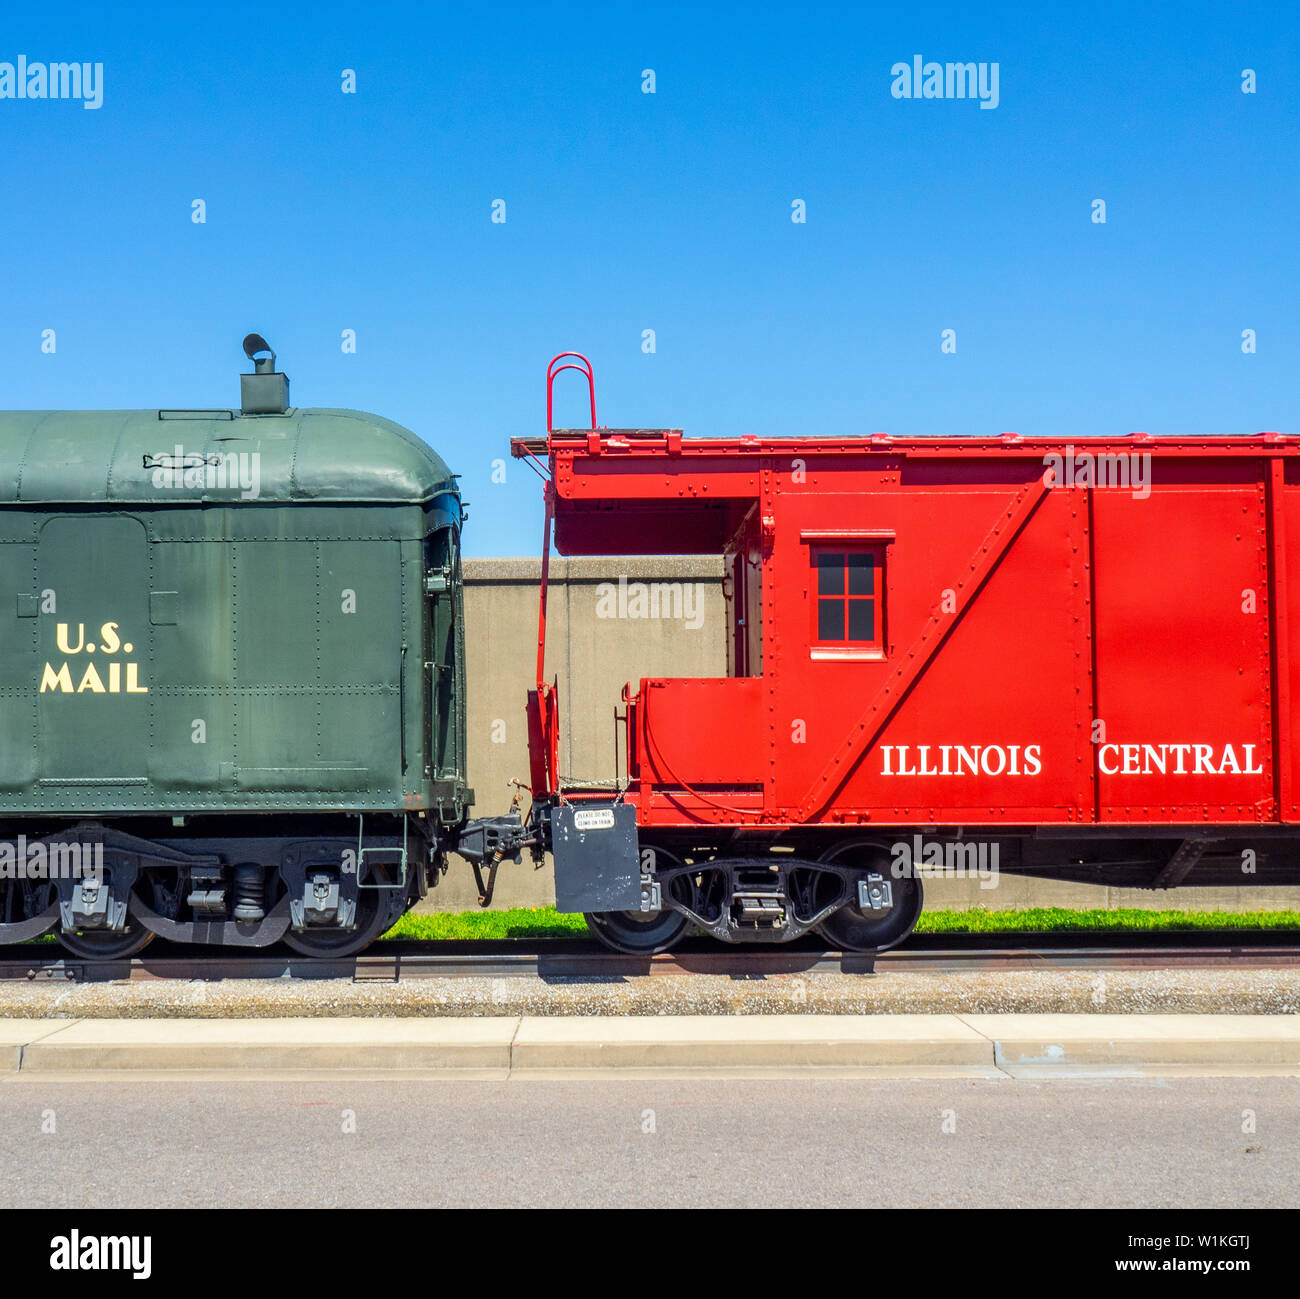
552,370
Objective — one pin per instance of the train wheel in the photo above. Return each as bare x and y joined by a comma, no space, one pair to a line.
105,944
378,910
853,929
640,933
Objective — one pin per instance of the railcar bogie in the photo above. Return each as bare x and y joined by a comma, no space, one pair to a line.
325,887
765,891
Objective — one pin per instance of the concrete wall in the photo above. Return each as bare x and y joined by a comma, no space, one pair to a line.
593,656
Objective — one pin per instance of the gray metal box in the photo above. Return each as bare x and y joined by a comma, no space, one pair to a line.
264,394
597,865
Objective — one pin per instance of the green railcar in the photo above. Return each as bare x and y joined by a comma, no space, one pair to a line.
232,703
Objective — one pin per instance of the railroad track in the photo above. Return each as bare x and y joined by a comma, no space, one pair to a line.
578,959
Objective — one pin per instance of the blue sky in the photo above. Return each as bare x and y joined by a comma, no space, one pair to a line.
628,211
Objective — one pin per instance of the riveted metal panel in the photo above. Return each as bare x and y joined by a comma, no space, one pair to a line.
1108,647
266,667
93,688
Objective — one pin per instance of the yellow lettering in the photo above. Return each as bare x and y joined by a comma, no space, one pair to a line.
110,641
61,638
61,680
91,681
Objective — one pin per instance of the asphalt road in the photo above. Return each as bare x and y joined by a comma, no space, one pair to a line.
812,1142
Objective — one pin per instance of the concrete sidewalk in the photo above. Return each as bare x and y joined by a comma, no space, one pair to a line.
503,1046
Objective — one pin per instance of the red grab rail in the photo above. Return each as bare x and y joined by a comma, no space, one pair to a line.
552,370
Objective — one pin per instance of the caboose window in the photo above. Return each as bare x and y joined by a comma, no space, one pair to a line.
846,598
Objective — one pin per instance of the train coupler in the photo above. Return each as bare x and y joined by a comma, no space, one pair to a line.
486,842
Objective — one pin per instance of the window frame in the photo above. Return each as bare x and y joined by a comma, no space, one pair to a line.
847,544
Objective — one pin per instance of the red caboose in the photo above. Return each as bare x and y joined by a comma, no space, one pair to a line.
1071,658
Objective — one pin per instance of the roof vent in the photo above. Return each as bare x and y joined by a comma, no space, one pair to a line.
266,390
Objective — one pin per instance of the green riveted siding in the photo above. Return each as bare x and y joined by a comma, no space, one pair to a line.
205,648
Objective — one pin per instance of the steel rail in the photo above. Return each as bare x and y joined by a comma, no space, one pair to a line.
575,959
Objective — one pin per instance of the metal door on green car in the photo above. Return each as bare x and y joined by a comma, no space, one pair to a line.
93,655
19,667
317,667
445,716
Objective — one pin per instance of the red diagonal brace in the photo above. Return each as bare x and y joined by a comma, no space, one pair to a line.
937,630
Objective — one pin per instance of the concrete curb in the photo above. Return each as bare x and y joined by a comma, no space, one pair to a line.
109,1045
1140,1040
514,1045
721,1042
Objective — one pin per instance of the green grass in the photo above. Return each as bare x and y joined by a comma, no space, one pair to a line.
546,922
517,922
1063,920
